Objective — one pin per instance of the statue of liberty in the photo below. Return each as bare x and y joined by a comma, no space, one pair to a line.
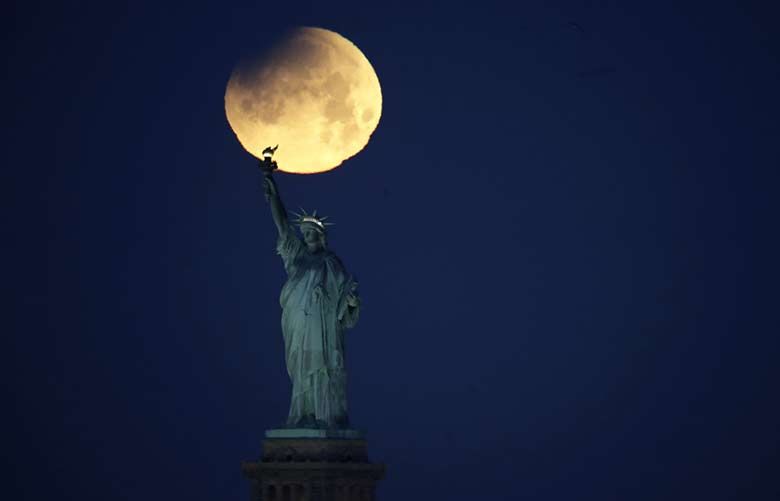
319,302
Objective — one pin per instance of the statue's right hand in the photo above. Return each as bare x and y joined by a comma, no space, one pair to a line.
269,188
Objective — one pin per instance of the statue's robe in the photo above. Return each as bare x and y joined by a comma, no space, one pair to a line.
313,331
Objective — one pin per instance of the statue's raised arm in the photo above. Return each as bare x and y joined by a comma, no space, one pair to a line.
268,166
278,211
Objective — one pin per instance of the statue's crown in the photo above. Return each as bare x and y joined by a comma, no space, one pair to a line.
319,223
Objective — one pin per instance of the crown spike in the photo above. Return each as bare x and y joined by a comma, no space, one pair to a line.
311,218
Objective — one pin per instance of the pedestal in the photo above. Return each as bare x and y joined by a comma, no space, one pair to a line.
313,465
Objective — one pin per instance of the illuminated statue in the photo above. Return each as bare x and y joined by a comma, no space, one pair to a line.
319,302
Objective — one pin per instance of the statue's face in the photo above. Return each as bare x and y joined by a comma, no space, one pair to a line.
312,238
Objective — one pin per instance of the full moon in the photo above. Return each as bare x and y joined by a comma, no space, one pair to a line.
314,94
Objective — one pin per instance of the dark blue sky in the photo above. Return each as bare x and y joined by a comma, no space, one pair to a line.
563,228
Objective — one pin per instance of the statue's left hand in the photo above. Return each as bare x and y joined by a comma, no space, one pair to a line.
352,297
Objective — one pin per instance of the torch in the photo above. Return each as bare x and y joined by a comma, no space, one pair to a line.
267,164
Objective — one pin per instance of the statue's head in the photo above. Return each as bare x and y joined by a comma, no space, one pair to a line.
315,241
313,229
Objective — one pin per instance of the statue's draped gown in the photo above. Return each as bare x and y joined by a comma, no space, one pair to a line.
313,331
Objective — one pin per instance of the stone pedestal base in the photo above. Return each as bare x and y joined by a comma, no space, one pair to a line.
313,469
